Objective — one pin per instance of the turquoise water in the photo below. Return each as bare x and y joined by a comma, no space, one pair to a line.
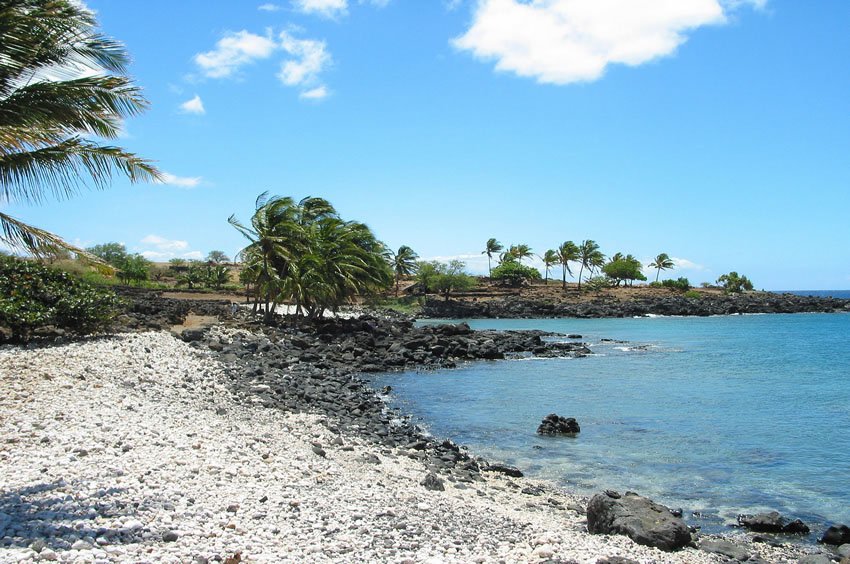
717,415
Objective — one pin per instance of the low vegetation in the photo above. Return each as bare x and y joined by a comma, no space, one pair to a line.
444,278
33,296
512,273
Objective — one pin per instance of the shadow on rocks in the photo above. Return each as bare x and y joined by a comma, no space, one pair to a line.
44,516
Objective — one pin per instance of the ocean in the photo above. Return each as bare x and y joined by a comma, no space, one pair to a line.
716,415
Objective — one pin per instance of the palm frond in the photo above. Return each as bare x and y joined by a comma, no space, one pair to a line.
63,169
18,235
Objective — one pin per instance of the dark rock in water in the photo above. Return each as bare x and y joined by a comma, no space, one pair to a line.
676,512
772,522
837,535
796,527
639,518
433,483
725,548
511,471
554,424
574,336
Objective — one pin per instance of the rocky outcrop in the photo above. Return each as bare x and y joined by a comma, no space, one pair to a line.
639,518
554,424
605,306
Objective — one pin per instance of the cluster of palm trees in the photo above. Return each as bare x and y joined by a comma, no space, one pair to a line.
61,82
586,255
303,253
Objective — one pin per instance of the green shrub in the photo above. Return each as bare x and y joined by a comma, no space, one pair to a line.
678,284
33,295
693,294
598,283
513,273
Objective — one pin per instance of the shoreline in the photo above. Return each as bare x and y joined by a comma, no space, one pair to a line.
608,306
283,371
149,453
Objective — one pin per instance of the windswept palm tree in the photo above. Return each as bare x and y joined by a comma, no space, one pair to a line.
493,247
61,82
520,251
273,235
590,257
661,262
305,253
550,258
403,264
568,252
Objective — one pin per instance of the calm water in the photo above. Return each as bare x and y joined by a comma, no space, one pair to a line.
720,415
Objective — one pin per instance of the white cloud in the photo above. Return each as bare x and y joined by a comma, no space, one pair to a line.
268,7
686,264
564,41
324,8
180,181
163,244
193,106
310,57
315,93
233,51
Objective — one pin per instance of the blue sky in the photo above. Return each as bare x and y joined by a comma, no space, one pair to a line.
717,131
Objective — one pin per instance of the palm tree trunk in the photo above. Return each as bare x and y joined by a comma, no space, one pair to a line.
489,266
579,276
657,274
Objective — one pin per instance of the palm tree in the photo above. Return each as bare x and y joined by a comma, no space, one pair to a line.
549,258
492,247
56,90
403,264
305,253
568,252
520,251
590,257
273,234
661,262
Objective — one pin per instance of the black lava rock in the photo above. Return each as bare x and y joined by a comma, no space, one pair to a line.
556,425
837,535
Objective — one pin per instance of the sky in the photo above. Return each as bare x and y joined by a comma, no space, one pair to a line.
717,131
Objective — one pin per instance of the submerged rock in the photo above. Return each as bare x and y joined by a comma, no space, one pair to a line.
554,424
639,518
